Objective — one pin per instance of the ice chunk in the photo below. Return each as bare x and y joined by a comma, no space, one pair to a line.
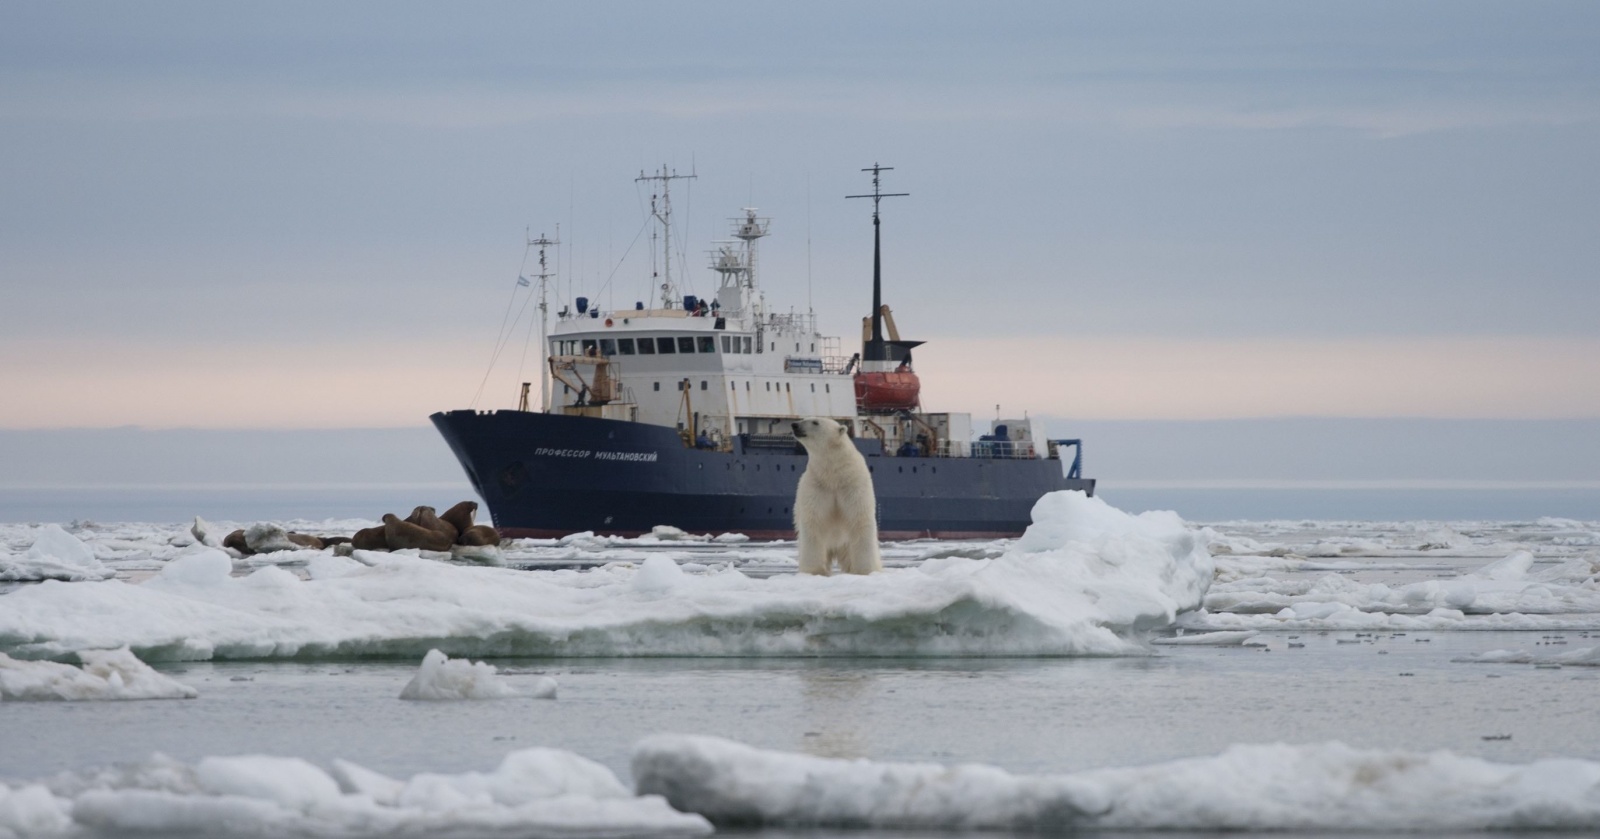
667,533
1208,639
536,792
288,782
31,810
204,533
106,674
199,566
54,555
1323,787
265,537
478,554
443,678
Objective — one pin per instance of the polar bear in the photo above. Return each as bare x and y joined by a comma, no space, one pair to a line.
835,510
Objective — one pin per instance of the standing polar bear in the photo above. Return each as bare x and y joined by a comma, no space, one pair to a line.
835,510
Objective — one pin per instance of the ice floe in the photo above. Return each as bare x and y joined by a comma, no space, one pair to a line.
1324,787
54,554
441,677
534,792
1510,593
106,674
1086,579
1580,657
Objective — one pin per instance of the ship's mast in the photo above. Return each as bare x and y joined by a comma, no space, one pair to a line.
875,350
544,276
662,211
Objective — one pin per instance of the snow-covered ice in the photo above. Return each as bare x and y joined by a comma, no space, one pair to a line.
1086,579
441,677
1509,593
533,793
54,554
106,674
1320,787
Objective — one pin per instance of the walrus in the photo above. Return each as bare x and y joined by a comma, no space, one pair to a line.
236,541
399,534
369,539
461,515
479,535
330,541
425,517
306,540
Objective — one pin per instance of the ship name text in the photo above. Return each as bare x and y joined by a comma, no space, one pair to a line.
635,457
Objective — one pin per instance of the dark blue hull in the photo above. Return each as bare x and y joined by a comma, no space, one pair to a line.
545,475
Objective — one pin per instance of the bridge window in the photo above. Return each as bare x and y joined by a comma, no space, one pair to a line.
813,387
647,346
702,384
708,343
827,388
727,344
747,343
608,347
733,386
589,347
686,343
769,387
657,385
666,346
625,346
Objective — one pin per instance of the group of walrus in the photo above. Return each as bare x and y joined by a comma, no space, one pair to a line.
423,529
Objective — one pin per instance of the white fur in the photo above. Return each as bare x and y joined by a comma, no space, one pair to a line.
835,510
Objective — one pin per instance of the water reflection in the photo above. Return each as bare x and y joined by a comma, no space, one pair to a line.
834,705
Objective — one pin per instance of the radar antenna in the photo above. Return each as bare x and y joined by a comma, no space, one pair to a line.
543,277
662,212
875,349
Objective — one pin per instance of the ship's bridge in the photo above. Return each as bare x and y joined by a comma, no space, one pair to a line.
710,376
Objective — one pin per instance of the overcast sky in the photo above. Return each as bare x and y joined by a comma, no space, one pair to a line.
313,215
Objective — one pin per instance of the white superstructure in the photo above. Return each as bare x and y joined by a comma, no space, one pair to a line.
710,368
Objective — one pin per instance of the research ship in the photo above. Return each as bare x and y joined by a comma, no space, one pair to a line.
679,413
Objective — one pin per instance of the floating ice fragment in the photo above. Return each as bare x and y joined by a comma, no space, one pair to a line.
1208,639
1323,787
443,678
106,674
535,792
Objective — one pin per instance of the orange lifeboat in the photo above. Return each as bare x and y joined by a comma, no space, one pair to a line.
888,391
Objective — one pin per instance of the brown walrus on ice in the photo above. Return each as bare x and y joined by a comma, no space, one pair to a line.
369,539
461,515
399,534
426,517
478,535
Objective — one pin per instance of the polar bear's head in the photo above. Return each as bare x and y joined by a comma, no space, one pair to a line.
818,431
